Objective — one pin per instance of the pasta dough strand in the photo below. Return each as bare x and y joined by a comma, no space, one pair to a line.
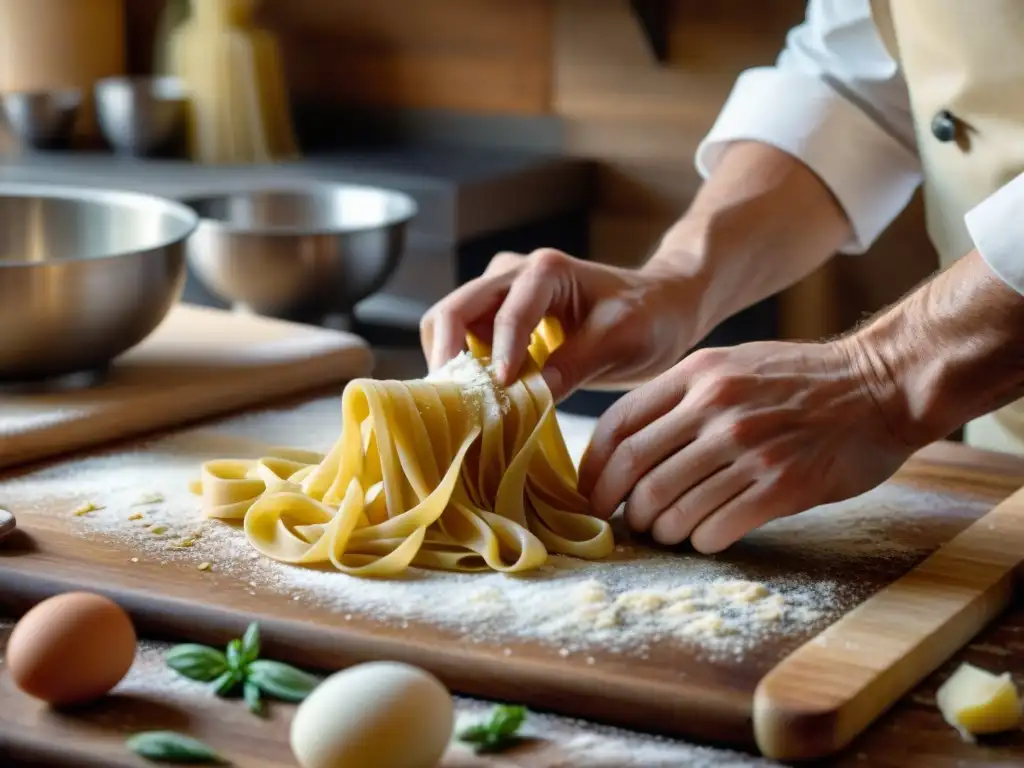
437,473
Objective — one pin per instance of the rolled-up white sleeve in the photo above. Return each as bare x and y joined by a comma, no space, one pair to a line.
996,225
836,101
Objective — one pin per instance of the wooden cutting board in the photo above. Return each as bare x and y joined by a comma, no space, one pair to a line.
800,692
198,363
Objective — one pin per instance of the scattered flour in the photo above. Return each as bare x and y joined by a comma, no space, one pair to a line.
720,607
549,741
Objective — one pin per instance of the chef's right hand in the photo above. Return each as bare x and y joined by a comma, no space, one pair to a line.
622,326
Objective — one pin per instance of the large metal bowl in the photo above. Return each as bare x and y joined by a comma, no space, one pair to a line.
299,254
84,275
141,116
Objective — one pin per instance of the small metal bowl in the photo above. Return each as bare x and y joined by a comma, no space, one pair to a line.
141,116
85,275
299,254
42,119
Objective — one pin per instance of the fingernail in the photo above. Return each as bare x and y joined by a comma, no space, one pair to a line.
501,371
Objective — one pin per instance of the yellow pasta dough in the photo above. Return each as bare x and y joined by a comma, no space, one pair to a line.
449,472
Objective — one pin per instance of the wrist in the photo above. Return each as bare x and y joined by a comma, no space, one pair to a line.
949,352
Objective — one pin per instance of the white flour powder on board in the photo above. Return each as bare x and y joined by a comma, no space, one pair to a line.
562,742
721,606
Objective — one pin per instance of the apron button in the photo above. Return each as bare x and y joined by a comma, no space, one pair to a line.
944,126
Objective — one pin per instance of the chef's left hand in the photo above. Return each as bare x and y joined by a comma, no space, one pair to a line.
731,438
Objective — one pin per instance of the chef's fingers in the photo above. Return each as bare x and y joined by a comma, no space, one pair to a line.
505,261
537,285
761,503
636,456
586,354
692,463
443,328
605,340
628,415
723,488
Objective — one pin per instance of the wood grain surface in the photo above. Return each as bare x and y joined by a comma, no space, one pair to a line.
200,362
823,695
669,689
911,735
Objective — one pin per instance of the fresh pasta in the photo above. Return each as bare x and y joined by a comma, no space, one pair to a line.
449,472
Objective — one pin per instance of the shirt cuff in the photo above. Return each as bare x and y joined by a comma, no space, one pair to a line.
996,225
871,174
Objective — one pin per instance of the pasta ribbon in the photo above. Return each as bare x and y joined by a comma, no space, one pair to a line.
449,472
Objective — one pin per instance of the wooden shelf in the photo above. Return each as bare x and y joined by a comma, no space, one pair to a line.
652,15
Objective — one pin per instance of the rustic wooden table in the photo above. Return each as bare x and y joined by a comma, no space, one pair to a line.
911,734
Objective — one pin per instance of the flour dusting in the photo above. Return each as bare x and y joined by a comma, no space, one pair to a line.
476,380
720,607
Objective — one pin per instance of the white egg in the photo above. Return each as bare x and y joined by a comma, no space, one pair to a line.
382,714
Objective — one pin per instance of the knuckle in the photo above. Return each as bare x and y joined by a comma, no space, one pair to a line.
627,457
650,495
704,359
503,261
426,322
724,390
620,416
548,261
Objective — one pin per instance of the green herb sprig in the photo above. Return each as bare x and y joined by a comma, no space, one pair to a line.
172,747
497,733
239,667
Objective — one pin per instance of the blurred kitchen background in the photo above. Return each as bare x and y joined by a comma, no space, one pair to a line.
514,125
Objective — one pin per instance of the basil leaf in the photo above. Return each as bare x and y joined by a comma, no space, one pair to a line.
506,720
234,654
226,683
475,734
196,662
171,747
253,699
498,733
281,680
251,643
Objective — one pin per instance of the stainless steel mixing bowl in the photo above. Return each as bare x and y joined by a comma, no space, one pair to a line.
299,254
141,115
84,275
42,119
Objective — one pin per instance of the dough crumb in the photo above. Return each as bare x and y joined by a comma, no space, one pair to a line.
976,702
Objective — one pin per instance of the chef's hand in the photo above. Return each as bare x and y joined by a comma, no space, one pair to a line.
731,438
621,325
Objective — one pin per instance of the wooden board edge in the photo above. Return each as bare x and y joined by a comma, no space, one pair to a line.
828,691
604,698
290,381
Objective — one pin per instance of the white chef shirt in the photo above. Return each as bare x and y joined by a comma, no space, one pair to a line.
837,101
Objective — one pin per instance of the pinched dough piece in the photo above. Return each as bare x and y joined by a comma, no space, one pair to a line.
975,701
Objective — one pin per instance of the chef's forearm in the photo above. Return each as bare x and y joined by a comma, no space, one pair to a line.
951,351
759,224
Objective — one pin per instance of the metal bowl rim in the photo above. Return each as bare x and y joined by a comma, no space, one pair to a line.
223,227
111,196
70,98
105,84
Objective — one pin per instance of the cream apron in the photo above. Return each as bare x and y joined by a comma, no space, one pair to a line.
965,57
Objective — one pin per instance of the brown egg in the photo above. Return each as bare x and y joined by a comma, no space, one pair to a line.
71,648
